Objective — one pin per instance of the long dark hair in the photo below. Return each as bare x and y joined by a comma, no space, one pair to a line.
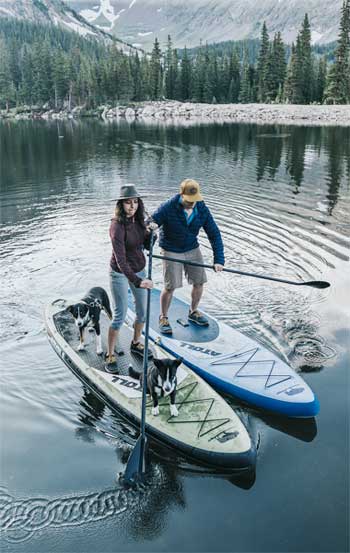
121,217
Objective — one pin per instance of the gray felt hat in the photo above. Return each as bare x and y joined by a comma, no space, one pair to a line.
128,191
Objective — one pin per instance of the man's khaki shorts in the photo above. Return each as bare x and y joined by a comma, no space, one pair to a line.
172,271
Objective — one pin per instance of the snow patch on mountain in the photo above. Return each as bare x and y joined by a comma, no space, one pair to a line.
316,37
105,11
89,15
5,10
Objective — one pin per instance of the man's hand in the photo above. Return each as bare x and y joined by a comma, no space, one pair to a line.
218,268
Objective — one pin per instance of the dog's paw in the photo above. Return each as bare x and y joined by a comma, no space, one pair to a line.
99,351
155,411
81,347
91,329
173,411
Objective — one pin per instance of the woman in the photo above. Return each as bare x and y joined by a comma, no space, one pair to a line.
129,236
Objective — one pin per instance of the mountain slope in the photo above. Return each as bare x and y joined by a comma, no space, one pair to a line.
58,13
47,11
191,21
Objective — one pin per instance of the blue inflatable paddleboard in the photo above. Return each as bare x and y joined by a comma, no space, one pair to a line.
232,362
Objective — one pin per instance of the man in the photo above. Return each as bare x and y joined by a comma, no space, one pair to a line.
181,219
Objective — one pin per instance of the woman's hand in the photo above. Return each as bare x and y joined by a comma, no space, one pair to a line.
152,226
218,267
146,283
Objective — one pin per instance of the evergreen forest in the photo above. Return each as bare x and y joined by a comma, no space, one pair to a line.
48,67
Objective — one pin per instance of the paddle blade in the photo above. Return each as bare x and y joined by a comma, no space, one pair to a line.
318,284
136,465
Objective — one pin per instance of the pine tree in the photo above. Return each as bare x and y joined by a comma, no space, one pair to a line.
125,80
210,81
113,78
321,75
252,74
14,56
262,65
186,73
245,88
176,75
59,77
307,77
7,89
271,84
71,78
137,79
276,69
293,87
145,78
156,72
199,72
107,81
235,75
42,79
224,79
208,87
25,91
169,71
338,81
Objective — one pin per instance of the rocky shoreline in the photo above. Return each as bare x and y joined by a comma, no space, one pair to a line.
173,112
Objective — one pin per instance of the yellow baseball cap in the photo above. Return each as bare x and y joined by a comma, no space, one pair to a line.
190,191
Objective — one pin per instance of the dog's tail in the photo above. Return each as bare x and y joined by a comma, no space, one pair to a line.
133,373
107,305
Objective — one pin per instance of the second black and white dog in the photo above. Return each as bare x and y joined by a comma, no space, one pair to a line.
161,381
87,312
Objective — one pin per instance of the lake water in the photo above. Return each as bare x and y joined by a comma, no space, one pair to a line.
281,197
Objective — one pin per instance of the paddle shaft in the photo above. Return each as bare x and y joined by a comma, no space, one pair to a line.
145,360
316,284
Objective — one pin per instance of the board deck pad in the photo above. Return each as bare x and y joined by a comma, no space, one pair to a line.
232,362
179,310
206,428
130,387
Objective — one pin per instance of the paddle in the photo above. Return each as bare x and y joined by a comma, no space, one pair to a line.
136,465
314,283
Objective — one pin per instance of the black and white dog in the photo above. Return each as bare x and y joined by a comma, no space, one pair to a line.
161,381
87,311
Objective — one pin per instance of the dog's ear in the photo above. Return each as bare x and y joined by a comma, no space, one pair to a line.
179,360
157,362
70,308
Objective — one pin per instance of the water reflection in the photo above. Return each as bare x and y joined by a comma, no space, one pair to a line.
142,512
336,169
90,412
269,152
255,419
38,152
302,429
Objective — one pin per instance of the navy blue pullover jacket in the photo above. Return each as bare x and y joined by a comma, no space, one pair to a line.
177,236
